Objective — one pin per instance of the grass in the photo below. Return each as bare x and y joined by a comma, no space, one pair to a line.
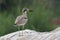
39,19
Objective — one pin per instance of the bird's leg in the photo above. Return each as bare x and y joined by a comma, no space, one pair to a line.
22,29
19,30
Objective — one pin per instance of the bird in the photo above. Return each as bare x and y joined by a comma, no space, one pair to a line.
21,20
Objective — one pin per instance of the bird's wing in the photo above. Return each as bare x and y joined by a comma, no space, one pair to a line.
18,18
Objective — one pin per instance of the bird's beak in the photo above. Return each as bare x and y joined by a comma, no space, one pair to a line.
30,10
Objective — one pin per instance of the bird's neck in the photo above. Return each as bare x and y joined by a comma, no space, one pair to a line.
25,13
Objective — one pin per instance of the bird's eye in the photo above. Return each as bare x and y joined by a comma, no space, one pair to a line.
25,10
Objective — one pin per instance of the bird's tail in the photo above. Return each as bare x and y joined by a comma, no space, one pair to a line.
15,25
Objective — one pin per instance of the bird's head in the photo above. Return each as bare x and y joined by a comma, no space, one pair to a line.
26,10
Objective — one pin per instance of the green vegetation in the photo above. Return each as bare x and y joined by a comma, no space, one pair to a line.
39,19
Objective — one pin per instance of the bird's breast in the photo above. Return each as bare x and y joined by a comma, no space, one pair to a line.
24,21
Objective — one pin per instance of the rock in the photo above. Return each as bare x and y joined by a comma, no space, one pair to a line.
32,35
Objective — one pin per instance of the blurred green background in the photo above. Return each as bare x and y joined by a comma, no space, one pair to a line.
39,19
